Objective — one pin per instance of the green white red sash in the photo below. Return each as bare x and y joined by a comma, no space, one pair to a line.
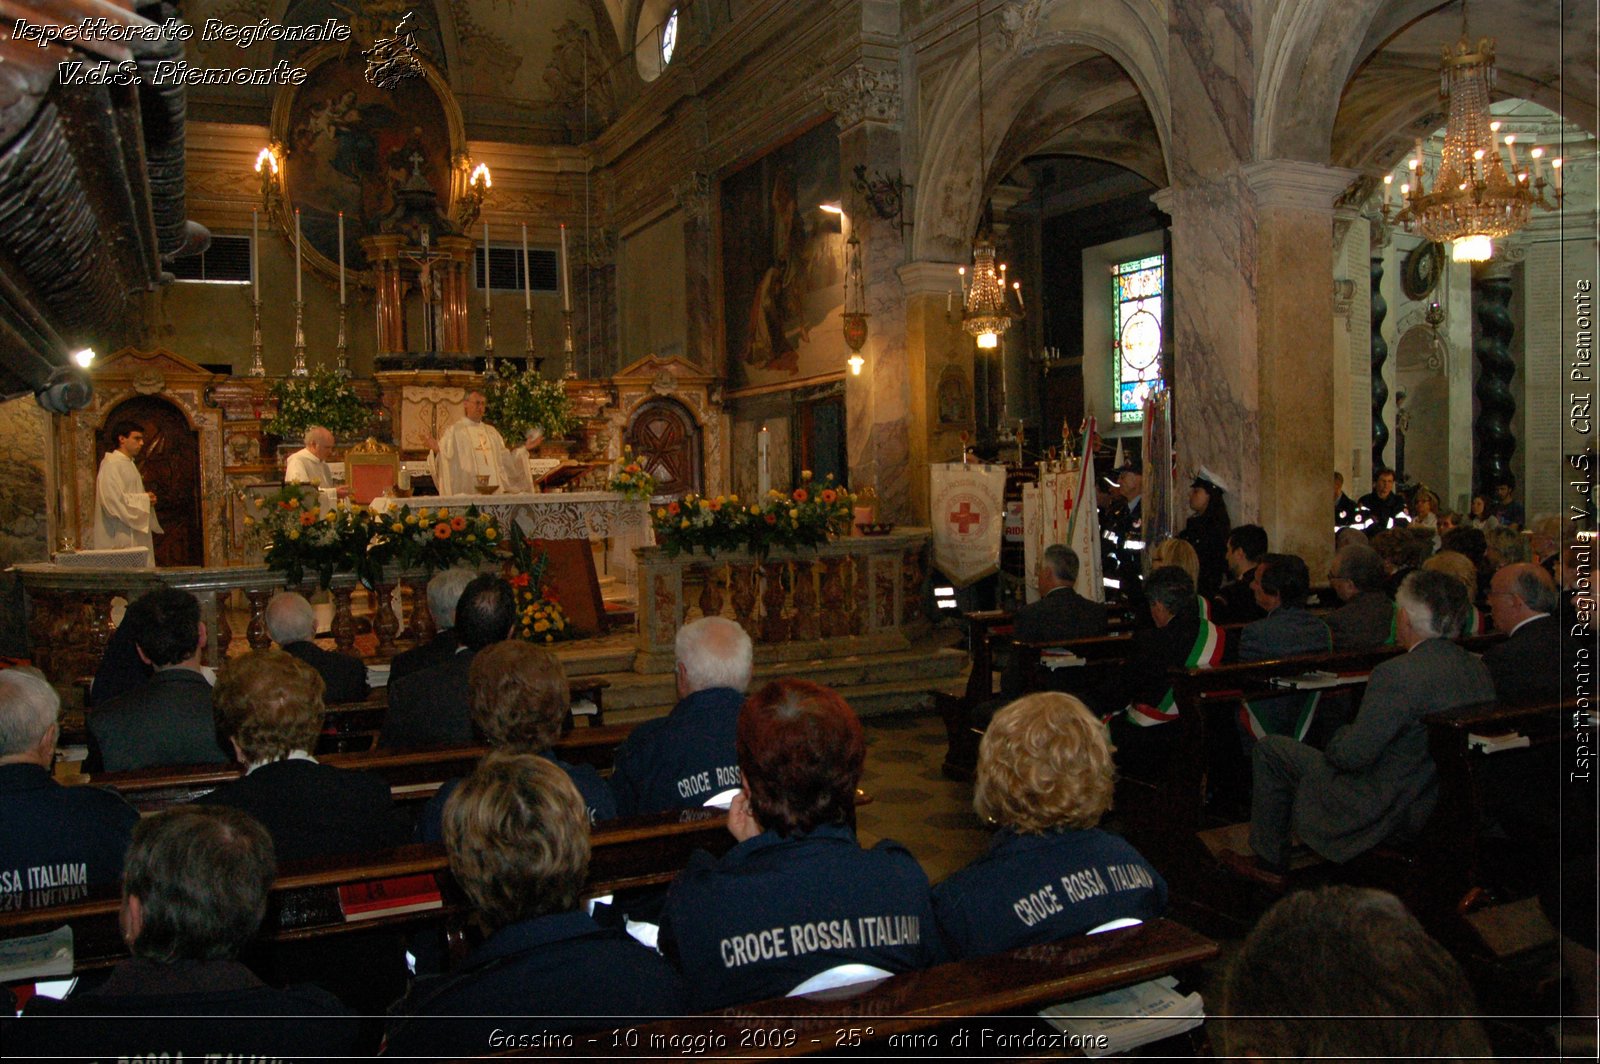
1206,653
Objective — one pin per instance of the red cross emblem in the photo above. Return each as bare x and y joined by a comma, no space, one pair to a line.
964,517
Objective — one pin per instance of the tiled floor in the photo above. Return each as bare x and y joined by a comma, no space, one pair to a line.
912,802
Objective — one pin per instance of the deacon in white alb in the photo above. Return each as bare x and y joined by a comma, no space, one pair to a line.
124,513
469,449
310,464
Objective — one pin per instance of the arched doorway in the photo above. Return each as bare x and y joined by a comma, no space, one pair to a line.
170,466
666,437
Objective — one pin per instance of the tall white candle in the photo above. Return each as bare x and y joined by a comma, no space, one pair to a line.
298,293
764,472
255,251
527,280
566,272
341,258
486,266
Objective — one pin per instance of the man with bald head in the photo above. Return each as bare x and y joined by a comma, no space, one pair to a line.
1526,668
309,465
680,760
470,449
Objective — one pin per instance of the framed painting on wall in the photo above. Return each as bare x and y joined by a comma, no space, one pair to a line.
347,145
783,263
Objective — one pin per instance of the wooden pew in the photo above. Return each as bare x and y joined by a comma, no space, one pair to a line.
304,904
354,726
931,1002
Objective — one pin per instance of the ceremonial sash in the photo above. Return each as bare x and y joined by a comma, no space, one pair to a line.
1206,652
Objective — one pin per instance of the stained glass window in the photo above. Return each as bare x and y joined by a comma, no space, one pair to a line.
1137,287
669,37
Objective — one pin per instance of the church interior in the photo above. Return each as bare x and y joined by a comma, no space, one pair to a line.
752,245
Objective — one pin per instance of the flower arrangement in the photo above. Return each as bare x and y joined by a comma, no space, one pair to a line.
322,398
297,534
805,517
519,402
630,479
540,617
432,539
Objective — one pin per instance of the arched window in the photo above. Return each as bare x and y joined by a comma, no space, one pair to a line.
669,36
1137,288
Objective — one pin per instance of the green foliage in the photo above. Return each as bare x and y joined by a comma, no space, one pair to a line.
519,401
322,398
806,517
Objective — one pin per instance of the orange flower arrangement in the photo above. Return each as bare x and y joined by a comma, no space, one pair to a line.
457,523
441,531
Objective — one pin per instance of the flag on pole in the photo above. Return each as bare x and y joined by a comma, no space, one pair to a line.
1083,521
968,506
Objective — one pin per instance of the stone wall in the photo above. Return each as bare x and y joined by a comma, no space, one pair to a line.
23,534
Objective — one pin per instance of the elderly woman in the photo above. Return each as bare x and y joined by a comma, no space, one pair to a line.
268,705
1045,779
517,835
798,895
520,701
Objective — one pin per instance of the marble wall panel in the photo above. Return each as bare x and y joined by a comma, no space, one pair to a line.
24,519
1211,66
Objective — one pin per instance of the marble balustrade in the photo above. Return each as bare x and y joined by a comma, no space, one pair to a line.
854,595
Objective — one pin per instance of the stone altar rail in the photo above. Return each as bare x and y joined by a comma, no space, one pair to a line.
69,609
854,595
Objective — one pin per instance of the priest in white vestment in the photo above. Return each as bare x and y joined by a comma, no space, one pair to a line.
124,513
469,449
309,465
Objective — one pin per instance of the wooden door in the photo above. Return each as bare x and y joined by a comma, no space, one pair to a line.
667,440
170,466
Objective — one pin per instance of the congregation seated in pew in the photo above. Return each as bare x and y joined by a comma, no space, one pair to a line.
58,841
518,839
430,706
1060,613
167,721
798,895
292,624
194,893
1366,617
1045,778
444,592
519,701
269,708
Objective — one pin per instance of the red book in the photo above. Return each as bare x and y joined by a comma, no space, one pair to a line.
390,897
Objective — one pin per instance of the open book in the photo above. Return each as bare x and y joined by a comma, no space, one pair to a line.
1128,1018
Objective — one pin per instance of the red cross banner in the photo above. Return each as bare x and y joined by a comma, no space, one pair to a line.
967,514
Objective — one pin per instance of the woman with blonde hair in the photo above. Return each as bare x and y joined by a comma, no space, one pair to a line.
1045,778
1181,553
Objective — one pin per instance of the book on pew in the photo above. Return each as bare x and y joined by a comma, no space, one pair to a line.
1128,1018
1494,744
390,897
37,956
1311,681
1060,658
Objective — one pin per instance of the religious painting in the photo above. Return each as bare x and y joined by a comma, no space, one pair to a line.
955,403
350,146
783,263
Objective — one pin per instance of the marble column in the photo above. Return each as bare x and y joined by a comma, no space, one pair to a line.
878,431
694,195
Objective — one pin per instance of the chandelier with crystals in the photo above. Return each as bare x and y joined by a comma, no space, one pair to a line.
985,311
1475,195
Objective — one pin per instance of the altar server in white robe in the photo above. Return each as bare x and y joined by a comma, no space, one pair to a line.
309,465
124,513
469,449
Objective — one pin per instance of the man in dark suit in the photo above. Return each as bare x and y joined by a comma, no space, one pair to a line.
1366,619
1281,585
168,720
1059,614
292,624
444,591
1236,602
431,706
1526,668
1376,779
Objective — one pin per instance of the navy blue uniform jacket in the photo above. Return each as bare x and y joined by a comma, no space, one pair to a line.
58,841
773,912
680,760
552,973
1031,889
596,797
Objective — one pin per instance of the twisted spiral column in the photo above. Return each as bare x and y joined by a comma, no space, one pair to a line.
1492,441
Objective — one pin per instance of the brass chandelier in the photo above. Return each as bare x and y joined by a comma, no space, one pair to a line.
1475,195
985,311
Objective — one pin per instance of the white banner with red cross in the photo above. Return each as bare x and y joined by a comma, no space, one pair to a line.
967,513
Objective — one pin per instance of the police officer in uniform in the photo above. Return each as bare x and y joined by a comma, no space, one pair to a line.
798,895
680,760
1045,776
1123,532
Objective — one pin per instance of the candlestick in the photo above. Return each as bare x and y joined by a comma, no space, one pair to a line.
486,269
298,295
527,277
566,273
1555,173
341,258
255,252
1538,163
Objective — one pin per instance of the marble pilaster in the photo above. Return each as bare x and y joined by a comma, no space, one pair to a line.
695,195
940,356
